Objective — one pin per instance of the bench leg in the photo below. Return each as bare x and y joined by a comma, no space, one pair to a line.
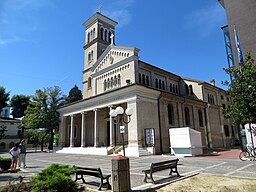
145,178
108,185
101,183
151,177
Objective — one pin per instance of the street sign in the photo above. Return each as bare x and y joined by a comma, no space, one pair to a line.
122,130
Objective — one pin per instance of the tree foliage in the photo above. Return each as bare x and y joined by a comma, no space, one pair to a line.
42,110
4,98
242,89
19,104
75,94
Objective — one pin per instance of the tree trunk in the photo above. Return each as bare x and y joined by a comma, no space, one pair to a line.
51,139
42,141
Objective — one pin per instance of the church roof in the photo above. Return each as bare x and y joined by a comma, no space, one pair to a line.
98,16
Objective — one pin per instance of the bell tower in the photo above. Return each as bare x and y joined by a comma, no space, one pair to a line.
99,34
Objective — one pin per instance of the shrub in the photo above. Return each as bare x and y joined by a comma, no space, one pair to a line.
56,178
5,163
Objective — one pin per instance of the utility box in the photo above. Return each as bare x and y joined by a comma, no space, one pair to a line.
120,174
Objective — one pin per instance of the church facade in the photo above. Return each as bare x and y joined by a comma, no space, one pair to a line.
115,76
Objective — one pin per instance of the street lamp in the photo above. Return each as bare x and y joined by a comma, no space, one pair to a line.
119,114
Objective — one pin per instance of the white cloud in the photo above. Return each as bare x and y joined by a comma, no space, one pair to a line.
207,19
119,11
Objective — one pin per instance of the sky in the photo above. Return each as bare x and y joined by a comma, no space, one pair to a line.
41,41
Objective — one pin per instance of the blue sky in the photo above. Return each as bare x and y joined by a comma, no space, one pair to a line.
41,41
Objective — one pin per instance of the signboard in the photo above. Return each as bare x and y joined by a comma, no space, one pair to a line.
150,136
122,130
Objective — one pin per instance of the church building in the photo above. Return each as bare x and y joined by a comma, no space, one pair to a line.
156,101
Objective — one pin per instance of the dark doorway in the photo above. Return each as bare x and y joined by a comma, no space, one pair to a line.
108,133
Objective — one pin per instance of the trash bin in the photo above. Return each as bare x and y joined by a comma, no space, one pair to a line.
120,174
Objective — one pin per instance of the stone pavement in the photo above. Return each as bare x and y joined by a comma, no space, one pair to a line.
224,163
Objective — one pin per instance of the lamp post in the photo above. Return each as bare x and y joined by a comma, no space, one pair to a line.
119,114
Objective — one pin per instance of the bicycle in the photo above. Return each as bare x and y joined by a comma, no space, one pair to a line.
248,154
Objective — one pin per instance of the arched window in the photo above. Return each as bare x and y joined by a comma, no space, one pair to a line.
187,90
119,80
226,130
156,83
109,37
163,85
190,89
143,79
115,81
170,115
160,84
187,117
106,35
89,57
102,33
147,80
105,85
200,117
88,37
139,77
111,82
108,83
89,83
93,34
171,87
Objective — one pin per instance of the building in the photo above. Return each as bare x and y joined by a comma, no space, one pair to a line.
11,128
242,15
115,76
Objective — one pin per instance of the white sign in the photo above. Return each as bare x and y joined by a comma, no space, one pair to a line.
122,130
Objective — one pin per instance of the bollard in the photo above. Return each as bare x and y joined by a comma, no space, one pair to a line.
120,174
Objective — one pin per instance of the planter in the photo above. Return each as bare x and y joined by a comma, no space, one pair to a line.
5,163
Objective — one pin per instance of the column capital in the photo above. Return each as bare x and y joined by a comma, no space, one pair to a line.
110,106
96,109
84,112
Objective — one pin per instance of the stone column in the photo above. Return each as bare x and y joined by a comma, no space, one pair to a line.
83,129
62,132
96,142
110,128
72,127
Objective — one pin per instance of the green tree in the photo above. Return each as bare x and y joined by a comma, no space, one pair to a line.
242,89
42,111
75,94
4,98
19,104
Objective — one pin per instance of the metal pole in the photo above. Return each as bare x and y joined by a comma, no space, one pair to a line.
123,143
250,129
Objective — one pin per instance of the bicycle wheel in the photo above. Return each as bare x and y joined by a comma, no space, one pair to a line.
244,156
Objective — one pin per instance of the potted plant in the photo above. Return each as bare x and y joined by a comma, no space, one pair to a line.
5,163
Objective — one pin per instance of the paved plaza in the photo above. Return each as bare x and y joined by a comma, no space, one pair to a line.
188,166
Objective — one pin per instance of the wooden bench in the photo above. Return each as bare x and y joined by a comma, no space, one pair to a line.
159,166
96,172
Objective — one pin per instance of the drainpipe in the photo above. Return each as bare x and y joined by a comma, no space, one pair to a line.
159,122
206,127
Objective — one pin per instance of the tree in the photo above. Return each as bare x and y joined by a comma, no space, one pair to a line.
42,111
242,89
19,104
4,97
75,94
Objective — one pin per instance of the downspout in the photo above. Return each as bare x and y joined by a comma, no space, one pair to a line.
206,127
159,123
